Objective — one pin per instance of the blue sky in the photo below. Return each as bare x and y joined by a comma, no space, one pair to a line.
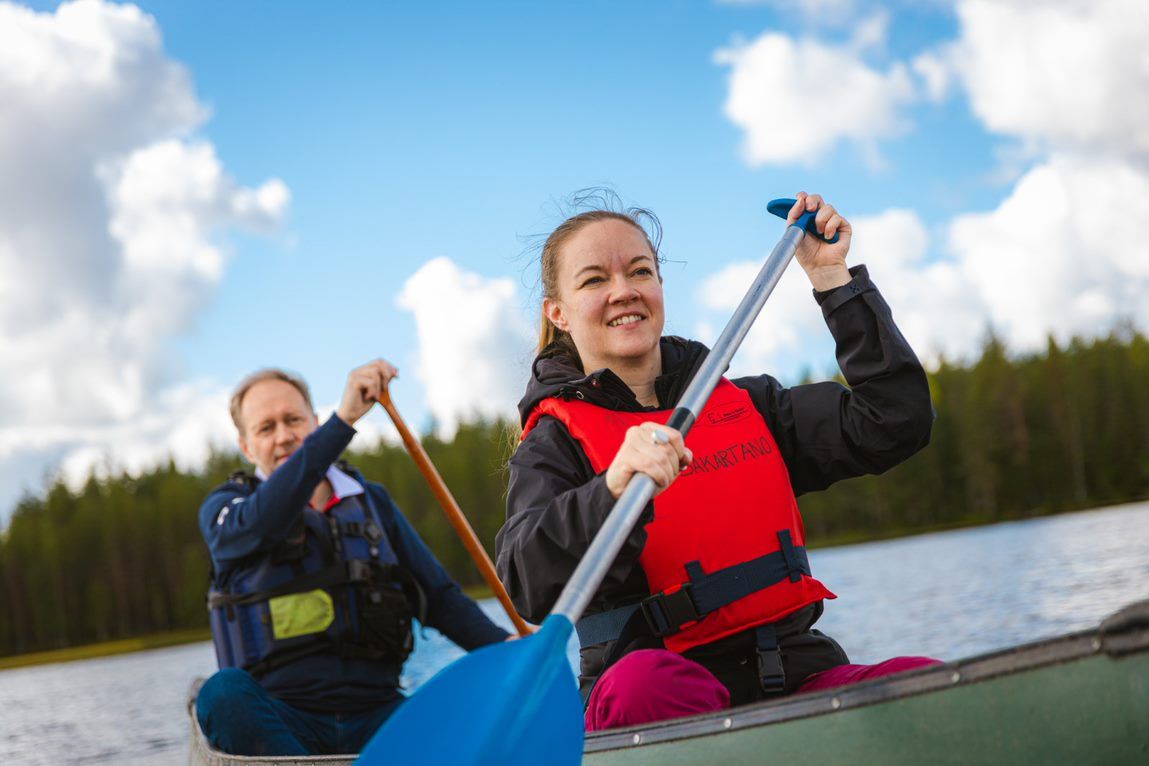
446,129
195,190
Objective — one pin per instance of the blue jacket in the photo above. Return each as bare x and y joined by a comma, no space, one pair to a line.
239,523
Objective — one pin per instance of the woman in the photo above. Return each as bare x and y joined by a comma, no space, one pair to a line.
711,601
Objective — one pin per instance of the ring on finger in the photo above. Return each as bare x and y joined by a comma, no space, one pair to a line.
658,438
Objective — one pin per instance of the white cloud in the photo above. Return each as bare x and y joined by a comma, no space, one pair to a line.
1062,253
370,430
474,344
1067,80
934,303
108,217
789,320
1058,257
185,423
936,75
1064,74
796,100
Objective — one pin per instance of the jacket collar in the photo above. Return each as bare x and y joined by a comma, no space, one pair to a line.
557,375
342,484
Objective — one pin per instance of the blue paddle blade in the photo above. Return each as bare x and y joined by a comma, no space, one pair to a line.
514,702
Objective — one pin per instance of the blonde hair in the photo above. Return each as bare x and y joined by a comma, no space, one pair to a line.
552,340
269,373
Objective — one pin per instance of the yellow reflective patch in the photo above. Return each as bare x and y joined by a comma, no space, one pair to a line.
300,614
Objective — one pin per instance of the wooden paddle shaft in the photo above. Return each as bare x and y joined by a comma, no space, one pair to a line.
454,513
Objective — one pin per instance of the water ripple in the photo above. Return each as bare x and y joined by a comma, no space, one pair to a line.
948,595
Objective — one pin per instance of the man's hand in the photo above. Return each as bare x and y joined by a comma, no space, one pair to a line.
364,385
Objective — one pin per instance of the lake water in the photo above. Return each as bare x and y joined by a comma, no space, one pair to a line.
948,595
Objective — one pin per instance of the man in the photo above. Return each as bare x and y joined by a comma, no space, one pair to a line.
317,577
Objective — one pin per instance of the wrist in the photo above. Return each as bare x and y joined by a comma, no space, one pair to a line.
611,481
829,278
348,418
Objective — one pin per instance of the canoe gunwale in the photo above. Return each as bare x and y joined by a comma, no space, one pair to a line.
1127,632
201,753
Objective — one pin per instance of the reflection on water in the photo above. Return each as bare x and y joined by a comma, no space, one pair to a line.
948,595
124,709
956,594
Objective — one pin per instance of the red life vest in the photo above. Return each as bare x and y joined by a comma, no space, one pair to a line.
733,506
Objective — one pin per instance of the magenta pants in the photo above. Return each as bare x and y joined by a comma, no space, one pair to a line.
656,684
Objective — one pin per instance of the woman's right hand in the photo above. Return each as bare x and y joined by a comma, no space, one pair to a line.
657,451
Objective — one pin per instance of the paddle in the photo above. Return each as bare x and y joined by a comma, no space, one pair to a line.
517,702
454,513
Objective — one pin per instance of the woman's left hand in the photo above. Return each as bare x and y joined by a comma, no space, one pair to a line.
824,264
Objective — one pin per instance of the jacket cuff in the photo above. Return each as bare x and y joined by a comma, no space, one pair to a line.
334,435
599,497
830,300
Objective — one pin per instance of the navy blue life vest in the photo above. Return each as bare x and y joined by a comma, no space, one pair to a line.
334,585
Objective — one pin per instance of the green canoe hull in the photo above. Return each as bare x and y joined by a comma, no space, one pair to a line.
1080,699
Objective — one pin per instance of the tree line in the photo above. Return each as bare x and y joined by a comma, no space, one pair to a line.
1014,437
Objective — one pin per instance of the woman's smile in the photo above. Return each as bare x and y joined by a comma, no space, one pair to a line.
610,298
625,319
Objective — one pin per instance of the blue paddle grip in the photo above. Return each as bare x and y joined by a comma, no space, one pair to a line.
781,208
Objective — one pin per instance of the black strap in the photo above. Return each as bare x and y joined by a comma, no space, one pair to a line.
771,674
415,593
666,613
338,574
368,530
604,626
278,659
796,565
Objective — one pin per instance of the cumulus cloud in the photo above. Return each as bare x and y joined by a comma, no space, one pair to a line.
474,343
1060,255
1061,74
796,100
934,302
787,323
935,73
1053,259
109,213
1063,80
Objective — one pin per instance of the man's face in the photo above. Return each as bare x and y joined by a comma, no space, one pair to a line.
275,420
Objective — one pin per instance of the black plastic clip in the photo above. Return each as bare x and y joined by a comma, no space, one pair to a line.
771,673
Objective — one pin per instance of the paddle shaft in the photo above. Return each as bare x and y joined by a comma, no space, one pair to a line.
454,513
629,507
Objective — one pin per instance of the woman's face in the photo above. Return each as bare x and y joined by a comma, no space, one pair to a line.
609,296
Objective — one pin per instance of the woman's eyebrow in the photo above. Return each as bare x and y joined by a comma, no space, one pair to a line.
593,267
596,267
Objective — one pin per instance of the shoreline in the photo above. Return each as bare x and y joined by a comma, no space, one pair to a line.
477,592
106,648
897,533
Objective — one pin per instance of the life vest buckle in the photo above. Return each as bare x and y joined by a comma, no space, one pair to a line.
358,570
771,671
372,532
666,613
